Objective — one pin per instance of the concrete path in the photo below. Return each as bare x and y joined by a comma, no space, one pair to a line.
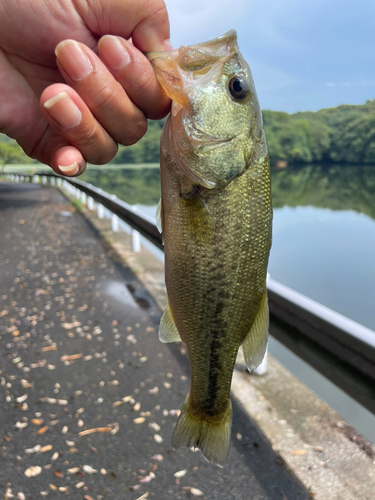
88,395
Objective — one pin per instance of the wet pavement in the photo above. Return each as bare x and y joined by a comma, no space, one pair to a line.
88,395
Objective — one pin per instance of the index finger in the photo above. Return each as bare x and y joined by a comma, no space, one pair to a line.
135,74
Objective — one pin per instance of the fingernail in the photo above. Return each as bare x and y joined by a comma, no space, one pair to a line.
69,169
113,52
63,110
73,59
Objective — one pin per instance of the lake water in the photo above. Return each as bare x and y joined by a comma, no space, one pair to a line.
323,232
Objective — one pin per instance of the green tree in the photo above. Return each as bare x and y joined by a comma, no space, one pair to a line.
144,151
11,152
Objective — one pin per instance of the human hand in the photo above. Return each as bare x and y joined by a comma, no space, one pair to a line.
110,88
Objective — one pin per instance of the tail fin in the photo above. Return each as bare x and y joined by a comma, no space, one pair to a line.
211,438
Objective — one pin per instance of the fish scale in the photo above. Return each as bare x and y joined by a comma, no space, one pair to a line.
216,220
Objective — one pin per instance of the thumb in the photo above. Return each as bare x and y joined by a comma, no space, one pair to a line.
145,21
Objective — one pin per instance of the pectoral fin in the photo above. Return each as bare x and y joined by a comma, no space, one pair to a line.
255,342
160,216
198,217
167,328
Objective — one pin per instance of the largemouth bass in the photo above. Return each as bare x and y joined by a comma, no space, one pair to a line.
215,214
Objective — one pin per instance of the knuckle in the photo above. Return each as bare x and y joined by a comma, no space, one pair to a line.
86,138
140,86
107,97
158,15
94,147
109,100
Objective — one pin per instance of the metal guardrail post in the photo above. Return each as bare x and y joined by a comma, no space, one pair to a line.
100,211
136,241
262,368
90,203
114,223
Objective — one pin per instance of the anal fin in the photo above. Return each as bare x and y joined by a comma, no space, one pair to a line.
167,328
255,342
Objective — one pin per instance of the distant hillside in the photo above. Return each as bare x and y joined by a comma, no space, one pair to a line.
345,134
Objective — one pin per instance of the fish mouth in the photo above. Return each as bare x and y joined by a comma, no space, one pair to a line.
194,57
175,68
218,44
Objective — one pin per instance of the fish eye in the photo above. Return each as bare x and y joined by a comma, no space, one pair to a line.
239,87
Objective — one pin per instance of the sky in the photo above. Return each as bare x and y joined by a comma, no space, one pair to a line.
303,54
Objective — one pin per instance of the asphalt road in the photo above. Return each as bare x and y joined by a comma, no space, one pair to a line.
79,352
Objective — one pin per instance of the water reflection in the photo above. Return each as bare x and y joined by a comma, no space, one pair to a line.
133,185
324,236
338,187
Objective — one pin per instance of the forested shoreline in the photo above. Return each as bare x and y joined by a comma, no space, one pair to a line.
345,134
